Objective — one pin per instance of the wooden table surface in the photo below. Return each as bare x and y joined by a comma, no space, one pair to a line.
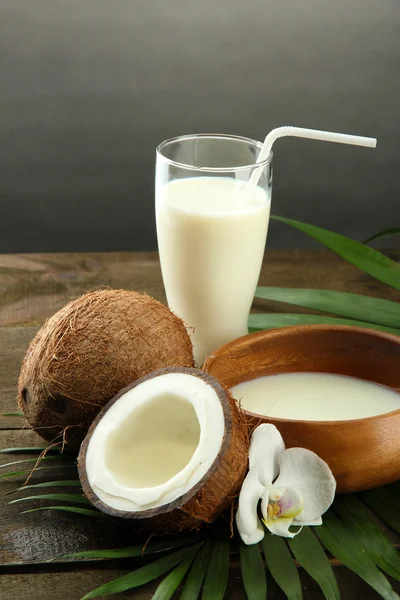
33,287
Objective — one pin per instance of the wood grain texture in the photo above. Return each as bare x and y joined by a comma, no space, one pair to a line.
34,286
66,585
73,581
14,342
362,453
36,537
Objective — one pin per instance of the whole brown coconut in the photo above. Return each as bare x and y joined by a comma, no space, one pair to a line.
89,350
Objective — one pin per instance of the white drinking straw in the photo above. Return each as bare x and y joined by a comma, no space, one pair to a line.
311,134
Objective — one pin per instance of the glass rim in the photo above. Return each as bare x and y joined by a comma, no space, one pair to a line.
226,136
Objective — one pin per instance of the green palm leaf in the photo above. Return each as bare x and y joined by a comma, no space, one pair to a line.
385,505
29,449
262,321
341,543
62,497
357,519
140,576
47,484
153,547
195,580
281,566
218,570
13,414
311,556
87,512
394,488
170,584
354,306
383,234
364,258
253,572
34,460
29,471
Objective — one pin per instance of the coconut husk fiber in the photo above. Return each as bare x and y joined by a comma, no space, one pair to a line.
213,494
88,351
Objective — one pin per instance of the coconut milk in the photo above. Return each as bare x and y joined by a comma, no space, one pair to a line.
315,397
211,238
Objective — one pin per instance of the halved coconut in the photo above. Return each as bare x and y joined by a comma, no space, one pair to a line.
174,439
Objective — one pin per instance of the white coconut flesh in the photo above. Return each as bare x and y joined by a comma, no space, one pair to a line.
155,443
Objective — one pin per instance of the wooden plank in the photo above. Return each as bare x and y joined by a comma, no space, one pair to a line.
73,581
37,537
65,585
14,342
73,585
35,286
32,292
83,533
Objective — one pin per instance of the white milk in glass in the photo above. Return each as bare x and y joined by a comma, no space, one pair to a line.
315,397
211,236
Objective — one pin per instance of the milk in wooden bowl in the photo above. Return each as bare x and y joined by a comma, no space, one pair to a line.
332,389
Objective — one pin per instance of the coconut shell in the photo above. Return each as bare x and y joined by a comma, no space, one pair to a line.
214,493
88,351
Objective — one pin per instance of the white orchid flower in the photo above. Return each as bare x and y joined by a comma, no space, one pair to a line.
295,486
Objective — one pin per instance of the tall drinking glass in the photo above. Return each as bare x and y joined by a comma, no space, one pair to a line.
211,229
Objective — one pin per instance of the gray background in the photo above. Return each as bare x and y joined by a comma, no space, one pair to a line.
89,87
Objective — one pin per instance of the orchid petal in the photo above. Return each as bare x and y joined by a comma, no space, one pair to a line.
250,537
281,527
313,523
278,516
290,504
249,525
264,502
274,494
311,476
266,446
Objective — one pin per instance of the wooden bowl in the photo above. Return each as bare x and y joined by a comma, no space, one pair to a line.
362,453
